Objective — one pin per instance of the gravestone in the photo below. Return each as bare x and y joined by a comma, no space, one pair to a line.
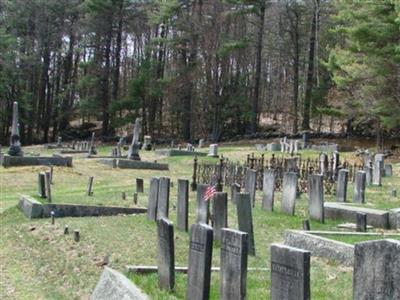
233,272
245,219
388,170
323,163
89,191
316,197
306,138
42,185
361,222
290,273
92,148
147,143
166,254
235,188
201,143
341,185
268,190
133,152
220,213
368,175
213,150
15,144
359,187
289,193
202,210
47,180
139,185
377,173
377,270
153,199
183,204
250,184
163,198
199,263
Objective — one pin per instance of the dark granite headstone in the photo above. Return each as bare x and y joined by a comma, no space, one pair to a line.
139,185
235,188
42,185
290,273
233,264
183,204
376,273
361,222
163,198
268,190
250,184
341,185
220,213
199,263
316,197
359,187
153,199
289,193
202,210
166,255
47,180
245,219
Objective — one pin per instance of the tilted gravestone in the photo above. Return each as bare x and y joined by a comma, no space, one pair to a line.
220,213
268,190
359,187
199,263
202,210
89,190
290,273
316,197
163,198
235,188
245,219
153,199
42,185
250,184
233,272
376,272
166,254
183,204
289,193
139,185
341,185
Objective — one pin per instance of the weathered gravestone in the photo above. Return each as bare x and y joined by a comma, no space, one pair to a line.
361,222
250,184
163,198
388,170
268,190
183,204
368,174
290,273
139,185
42,185
291,164
323,163
15,144
376,273
47,180
89,191
235,189
213,150
133,152
166,254
245,219
341,185
153,199
233,272
316,197
202,210
289,193
147,143
199,263
359,187
377,172
220,213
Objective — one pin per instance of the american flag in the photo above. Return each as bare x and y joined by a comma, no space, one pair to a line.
211,190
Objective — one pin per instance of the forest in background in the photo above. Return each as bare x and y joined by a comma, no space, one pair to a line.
191,69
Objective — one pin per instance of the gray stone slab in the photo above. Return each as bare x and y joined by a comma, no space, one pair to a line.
30,207
115,286
233,274
163,198
175,152
245,219
202,209
134,164
183,204
341,185
41,185
368,175
220,213
139,185
289,193
375,217
316,197
377,270
18,161
359,187
394,218
361,222
166,254
153,199
377,173
388,170
268,190
290,273
235,188
250,184
199,263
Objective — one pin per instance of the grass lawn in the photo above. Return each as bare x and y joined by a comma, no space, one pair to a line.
39,262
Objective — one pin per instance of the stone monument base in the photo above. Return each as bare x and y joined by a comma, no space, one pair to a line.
17,161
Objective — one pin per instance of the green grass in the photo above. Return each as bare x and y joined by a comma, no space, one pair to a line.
39,262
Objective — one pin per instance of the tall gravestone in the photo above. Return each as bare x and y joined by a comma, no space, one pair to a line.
92,148
377,171
376,272
290,273
42,185
368,174
153,199
245,219
202,210
233,272
183,204
133,152
316,197
166,254
359,187
268,190
199,263
139,185
289,193
323,163
89,190
341,185
235,189
15,143
163,198
251,184
220,213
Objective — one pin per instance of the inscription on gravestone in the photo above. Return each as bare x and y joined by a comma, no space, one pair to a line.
153,199
166,254
268,190
245,219
183,204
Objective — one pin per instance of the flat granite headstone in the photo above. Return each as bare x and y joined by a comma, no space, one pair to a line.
290,273
376,273
153,199
316,197
245,219
220,213
42,185
202,210
289,193
183,204
341,185
199,263
233,272
235,188
163,198
166,254
139,185
268,190
359,187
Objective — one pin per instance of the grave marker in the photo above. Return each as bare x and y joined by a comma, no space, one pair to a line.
153,199
89,191
245,219
139,185
268,190
166,254
289,193
361,222
359,187
388,170
341,185
183,204
42,185
316,197
163,198
250,184
220,213
47,181
202,210
235,188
